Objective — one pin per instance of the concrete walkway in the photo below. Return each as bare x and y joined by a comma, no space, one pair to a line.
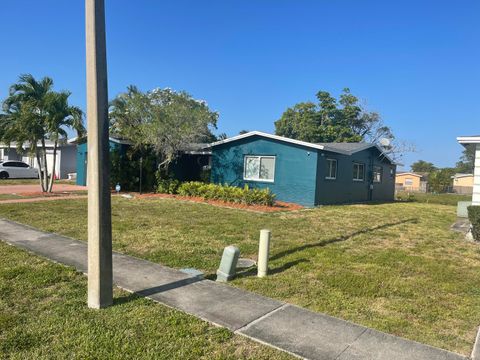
287,327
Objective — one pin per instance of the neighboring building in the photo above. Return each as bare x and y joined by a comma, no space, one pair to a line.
410,181
65,162
187,167
463,183
474,141
82,153
305,173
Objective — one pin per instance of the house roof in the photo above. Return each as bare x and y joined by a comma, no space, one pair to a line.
347,147
76,140
48,143
460,175
409,173
269,136
196,149
466,140
341,148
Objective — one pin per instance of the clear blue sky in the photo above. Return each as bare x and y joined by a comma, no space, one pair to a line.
415,62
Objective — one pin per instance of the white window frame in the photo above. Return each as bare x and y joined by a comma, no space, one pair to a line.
378,167
329,162
259,157
363,172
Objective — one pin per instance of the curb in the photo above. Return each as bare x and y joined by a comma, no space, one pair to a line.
476,347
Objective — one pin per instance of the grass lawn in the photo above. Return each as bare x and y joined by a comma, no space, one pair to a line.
32,182
395,267
10,196
43,315
430,198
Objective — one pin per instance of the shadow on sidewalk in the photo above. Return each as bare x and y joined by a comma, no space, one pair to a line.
156,290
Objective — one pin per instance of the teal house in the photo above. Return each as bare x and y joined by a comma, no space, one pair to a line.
305,173
82,155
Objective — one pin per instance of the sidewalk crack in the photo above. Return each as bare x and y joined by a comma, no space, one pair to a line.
349,345
253,322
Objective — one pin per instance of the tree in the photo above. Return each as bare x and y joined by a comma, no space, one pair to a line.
32,114
345,120
164,120
440,180
423,166
467,161
330,120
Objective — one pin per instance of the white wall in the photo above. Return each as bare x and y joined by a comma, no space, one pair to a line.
476,177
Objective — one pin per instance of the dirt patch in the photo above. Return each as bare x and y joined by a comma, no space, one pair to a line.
279,205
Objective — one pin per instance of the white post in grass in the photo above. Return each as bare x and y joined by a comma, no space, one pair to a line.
476,177
263,252
100,284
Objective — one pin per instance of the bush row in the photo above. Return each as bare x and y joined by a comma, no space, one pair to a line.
227,193
474,217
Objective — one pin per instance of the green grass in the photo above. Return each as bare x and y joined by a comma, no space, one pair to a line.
430,198
10,196
32,182
394,267
43,315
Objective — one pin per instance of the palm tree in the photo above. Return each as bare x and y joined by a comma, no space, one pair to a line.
59,116
33,114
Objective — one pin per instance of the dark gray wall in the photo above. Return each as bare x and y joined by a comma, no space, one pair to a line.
344,189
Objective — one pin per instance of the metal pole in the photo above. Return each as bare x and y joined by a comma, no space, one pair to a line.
141,168
100,287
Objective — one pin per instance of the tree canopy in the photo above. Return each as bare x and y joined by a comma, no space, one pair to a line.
467,161
34,113
423,166
162,119
332,120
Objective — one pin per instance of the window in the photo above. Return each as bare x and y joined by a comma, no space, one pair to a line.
408,182
22,165
259,168
377,174
358,172
10,164
331,169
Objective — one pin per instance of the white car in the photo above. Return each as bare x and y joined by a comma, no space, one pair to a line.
17,170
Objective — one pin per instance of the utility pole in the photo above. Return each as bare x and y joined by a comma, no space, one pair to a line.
100,274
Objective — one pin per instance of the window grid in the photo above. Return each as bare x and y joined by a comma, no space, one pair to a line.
377,174
358,172
259,168
331,169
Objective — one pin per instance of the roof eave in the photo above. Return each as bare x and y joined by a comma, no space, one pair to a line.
269,136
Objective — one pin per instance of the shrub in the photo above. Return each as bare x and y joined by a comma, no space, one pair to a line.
227,193
474,217
167,186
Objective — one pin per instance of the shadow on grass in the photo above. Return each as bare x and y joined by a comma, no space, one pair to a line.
253,270
340,238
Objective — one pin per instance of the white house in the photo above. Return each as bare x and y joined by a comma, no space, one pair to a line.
474,141
65,160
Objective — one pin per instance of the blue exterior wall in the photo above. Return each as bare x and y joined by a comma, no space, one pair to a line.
82,154
295,167
300,172
344,189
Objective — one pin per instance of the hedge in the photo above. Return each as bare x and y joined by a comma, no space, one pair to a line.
474,217
226,193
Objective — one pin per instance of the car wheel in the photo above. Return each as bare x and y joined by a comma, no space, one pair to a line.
3,175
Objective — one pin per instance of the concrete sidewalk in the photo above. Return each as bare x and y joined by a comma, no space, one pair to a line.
287,327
